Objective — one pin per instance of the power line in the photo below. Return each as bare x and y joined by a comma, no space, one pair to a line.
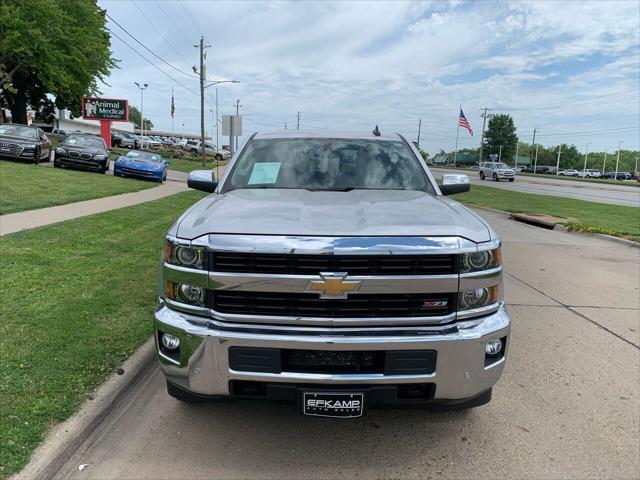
191,17
583,132
152,64
160,33
538,107
177,28
149,50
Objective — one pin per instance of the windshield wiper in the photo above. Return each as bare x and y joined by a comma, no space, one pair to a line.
337,189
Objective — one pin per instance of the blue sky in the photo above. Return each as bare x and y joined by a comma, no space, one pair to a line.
567,68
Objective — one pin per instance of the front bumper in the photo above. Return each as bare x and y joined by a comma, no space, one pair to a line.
202,365
81,163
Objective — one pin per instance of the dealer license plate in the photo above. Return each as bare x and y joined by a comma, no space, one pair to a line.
342,405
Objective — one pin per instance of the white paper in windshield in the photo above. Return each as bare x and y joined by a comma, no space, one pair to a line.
264,172
72,141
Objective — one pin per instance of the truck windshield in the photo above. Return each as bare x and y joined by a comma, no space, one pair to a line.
328,164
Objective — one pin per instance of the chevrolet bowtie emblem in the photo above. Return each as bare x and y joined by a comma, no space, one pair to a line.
333,285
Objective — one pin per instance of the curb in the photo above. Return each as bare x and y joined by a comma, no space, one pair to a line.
562,228
64,439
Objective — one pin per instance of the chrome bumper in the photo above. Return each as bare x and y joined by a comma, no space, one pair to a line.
203,366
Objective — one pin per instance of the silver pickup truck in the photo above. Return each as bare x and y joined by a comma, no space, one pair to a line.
332,272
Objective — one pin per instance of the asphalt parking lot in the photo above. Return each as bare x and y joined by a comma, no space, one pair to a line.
623,194
566,407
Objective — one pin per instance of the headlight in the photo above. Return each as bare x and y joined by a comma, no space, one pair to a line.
60,151
29,147
191,294
184,256
481,260
478,297
99,157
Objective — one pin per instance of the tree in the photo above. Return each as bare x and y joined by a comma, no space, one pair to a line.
51,49
501,131
134,116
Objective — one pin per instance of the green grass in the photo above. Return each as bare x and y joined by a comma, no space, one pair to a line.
78,298
594,217
25,187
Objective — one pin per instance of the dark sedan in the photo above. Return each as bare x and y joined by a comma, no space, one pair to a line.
82,151
23,142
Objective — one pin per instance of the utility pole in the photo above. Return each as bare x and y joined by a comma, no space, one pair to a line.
532,145
586,155
517,150
141,87
203,79
535,167
500,154
558,161
604,163
618,160
237,114
285,125
635,170
298,125
419,126
484,116
217,129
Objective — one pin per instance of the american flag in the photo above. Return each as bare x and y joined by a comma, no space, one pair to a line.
173,105
463,122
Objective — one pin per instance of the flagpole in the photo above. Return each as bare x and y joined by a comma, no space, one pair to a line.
172,109
455,154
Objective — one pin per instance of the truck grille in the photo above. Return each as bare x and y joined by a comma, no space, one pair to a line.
352,264
309,305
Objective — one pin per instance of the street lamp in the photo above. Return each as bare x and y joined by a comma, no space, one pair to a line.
586,155
141,87
615,177
210,84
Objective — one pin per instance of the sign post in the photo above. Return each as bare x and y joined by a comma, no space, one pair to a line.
232,126
105,110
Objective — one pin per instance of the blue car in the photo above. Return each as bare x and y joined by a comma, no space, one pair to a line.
137,163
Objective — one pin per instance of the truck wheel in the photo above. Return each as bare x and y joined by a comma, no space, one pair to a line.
511,179
495,177
481,175
218,157
182,395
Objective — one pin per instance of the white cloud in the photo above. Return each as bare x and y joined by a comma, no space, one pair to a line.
354,64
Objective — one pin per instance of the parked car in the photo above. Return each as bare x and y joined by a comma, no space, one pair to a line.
497,171
150,142
270,254
24,142
82,151
538,169
62,132
570,172
209,149
137,163
127,140
589,173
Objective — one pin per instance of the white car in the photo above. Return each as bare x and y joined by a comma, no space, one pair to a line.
589,173
209,149
497,171
570,172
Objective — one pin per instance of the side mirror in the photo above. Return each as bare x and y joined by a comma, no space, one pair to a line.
203,180
455,183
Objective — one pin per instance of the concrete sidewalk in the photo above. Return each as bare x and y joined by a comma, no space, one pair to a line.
16,222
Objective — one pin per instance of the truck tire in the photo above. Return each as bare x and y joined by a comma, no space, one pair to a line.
218,157
495,177
481,175
511,179
182,395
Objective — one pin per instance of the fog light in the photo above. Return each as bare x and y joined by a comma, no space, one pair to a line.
493,347
170,342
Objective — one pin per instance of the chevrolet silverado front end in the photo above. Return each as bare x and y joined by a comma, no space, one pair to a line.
331,272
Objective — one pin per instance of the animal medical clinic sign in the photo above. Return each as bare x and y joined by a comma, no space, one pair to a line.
106,110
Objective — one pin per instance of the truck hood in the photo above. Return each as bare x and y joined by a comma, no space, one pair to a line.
354,213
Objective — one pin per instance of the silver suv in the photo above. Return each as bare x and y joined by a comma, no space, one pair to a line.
497,171
331,272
